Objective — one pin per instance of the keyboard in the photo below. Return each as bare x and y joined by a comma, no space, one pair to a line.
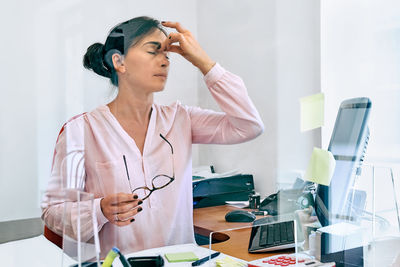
272,236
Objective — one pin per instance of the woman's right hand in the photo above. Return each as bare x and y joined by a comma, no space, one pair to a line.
120,208
187,46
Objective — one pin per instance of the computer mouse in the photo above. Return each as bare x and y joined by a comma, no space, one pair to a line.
239,216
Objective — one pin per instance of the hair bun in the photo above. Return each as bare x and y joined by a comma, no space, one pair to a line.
93,60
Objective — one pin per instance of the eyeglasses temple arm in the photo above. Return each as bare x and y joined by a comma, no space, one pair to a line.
127,173
172,150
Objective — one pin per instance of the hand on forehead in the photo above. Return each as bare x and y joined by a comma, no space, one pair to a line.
174,37
176,25
184,43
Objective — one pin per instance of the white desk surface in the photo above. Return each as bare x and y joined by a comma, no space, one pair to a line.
38,251
35,251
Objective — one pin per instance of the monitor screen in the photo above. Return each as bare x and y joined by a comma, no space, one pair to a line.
347,144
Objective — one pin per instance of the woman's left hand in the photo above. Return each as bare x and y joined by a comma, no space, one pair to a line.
188,47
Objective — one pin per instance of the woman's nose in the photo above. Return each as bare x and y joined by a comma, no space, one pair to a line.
164,60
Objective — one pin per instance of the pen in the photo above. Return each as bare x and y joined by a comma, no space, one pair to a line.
123,260
203,260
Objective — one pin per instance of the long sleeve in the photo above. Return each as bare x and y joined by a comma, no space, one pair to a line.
239,121
59,206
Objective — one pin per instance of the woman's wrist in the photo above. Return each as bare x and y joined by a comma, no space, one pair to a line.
206,66
101,218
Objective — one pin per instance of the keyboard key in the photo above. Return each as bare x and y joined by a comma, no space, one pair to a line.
277,233
284,236
263,235
270,235
290,231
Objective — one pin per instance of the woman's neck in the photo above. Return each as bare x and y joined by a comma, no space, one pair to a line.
132,106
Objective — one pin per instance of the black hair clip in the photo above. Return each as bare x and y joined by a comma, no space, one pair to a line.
115,41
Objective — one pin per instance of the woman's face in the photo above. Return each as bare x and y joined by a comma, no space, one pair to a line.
147,64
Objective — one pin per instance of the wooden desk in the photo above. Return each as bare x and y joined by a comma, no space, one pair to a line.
212,219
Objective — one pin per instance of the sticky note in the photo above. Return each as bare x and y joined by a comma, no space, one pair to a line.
321,167
311,112
229,262
181,256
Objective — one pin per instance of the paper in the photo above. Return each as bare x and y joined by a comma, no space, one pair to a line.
321,167
311,112
199,173
182,256
238,204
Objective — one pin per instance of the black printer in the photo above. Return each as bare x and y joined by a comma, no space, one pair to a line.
215,191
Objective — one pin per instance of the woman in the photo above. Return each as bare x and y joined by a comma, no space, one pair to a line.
136,154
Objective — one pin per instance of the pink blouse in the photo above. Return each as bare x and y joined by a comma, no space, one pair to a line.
89,156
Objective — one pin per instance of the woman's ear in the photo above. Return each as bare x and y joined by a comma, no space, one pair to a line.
118,62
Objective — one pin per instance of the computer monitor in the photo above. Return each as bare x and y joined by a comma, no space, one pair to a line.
348,143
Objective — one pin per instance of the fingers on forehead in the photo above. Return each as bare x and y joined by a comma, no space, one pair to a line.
175,49
174,37
177,26
180,28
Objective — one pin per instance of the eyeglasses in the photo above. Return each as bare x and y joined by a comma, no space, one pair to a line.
158,182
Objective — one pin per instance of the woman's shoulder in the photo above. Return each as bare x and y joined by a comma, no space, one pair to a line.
84,116
73,122
78,121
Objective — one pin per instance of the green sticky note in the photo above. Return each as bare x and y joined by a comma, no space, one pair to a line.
181,256
311,112
321,167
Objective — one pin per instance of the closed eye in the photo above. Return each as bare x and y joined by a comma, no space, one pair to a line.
155,53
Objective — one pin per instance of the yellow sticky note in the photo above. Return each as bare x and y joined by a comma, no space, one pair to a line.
181,256
228,262
311,112
321,167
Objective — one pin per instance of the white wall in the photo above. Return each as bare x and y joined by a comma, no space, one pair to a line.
274,46
44,82
360,56
298,75
18,161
